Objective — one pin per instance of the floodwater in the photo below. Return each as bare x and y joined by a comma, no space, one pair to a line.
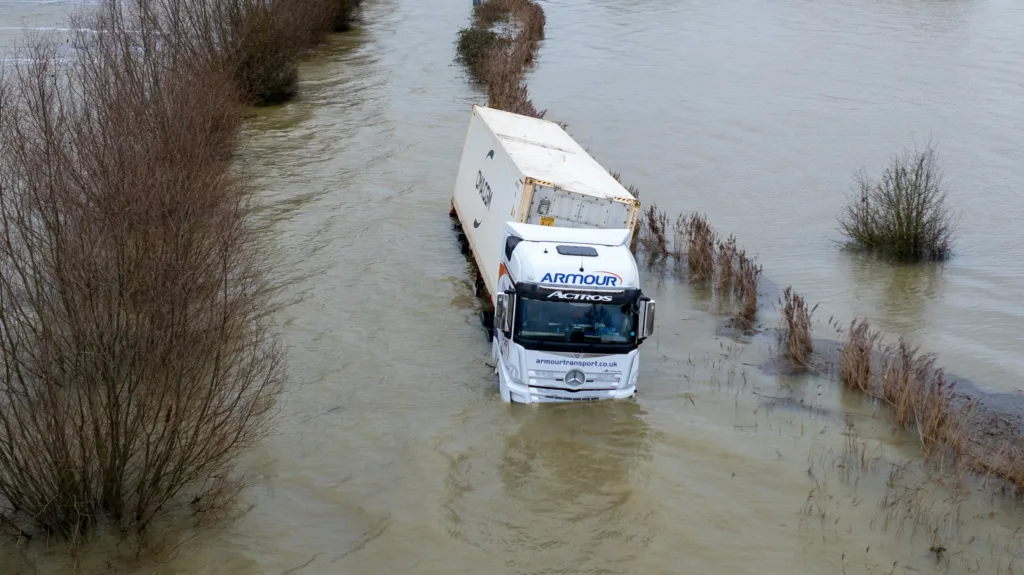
394,453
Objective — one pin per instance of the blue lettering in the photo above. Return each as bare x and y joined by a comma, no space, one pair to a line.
581,279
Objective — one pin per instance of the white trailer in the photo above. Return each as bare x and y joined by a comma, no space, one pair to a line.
549,230
522,169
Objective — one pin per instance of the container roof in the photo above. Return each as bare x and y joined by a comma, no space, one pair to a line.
544,151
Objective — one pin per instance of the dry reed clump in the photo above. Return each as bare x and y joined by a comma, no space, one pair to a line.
903,215
919,397
795,335
745,289
700,247
138,358
733,274
906,380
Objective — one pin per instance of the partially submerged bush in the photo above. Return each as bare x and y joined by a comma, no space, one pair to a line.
498,59
137,357
347,11
474,47
903,215
261,56
258,41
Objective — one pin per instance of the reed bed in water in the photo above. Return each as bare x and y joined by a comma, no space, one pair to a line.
693,248
920,398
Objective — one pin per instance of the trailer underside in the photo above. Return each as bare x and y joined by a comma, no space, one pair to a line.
479,285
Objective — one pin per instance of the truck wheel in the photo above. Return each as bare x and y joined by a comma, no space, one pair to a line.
487,320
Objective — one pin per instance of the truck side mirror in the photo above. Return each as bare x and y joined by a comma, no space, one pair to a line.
646,319
504,312
500,310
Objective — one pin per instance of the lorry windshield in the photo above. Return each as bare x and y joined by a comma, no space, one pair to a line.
572,322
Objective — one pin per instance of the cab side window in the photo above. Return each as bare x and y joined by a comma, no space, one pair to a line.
510,245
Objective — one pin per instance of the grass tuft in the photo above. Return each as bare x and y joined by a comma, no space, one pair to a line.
795,335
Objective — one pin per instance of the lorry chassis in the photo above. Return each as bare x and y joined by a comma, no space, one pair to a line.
486,315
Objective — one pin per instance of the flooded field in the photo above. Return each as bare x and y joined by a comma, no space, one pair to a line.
394,453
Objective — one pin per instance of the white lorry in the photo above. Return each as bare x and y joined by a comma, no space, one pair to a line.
549,230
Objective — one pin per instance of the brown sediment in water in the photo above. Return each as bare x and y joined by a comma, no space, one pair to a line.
982,431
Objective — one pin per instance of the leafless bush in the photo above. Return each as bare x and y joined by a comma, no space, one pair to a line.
258,41
499,59
137,355
903,215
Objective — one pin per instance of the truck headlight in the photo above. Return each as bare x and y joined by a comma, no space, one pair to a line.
546,374
513,371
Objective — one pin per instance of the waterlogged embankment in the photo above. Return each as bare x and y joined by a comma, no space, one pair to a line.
980,428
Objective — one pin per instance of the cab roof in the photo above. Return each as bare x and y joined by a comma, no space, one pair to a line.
577,236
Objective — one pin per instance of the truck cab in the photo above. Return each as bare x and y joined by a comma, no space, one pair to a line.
569,315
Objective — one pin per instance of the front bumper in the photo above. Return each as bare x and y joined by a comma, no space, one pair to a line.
519,393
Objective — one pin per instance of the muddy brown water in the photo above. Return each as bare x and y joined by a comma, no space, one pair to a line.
394,453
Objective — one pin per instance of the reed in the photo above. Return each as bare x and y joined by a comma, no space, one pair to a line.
794,338
700,247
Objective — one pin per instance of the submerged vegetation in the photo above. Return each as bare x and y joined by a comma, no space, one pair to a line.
695,250
902,215
497,49
138,357
795,336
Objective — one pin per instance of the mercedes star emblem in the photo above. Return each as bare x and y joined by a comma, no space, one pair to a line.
575,378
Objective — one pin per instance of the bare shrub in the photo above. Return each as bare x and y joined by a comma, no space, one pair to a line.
499,59
138,359
903,215
259,41
347,11
795,335
473,47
